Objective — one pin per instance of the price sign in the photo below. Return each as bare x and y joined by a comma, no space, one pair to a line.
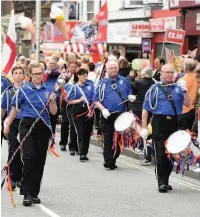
175,36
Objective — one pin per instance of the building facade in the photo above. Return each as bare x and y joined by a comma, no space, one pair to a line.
190,22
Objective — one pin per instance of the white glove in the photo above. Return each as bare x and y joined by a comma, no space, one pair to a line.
182,85
132,98
105,113
144,133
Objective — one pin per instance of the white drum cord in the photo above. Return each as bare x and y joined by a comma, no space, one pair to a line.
155,98
102,92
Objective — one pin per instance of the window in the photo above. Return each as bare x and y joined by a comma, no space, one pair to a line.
133,3
90,10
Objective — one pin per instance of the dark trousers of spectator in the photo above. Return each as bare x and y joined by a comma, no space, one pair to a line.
107,126
97,113
84,127
73,145
162,128
64,125
16,164
149,152
34,151
187,119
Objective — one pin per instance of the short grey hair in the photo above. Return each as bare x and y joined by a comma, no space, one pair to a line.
146,73
190,64
110,63
112,58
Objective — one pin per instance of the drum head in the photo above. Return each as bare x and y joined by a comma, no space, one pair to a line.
178,142
124,121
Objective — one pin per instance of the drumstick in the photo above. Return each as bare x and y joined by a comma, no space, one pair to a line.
114,112
169,84
123,102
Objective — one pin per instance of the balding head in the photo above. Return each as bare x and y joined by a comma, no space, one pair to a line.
167,73
190,65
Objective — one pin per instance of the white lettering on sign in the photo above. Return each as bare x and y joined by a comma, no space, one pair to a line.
198,22
174,35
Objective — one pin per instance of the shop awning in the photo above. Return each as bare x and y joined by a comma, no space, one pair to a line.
81,48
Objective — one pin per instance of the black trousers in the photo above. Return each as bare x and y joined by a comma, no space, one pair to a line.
97,113
16,164
107,127
162,128
187,119
84,127
34,151
73,145
64,125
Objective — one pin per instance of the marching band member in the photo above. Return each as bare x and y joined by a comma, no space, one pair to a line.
50,77
80,96
7,96
72,142
30,99
111,91
165,120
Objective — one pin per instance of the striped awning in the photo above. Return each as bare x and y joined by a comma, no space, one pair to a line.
81,48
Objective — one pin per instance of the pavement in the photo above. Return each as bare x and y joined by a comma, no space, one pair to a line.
71,188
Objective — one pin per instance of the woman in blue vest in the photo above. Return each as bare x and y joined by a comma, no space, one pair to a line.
30,100
81,96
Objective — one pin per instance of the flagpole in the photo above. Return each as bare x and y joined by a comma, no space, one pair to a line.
37,32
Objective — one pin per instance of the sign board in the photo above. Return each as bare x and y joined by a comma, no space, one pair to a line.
146,45
175,36
161,24
140,29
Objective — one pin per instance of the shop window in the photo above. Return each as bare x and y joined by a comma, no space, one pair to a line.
90,10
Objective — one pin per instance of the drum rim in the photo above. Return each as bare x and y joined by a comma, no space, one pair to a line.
179,131
120,116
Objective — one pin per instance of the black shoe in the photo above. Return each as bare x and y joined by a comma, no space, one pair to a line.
169,187
106,165
27,200
72,153
162,188
62,148
84,158
36,200
110,166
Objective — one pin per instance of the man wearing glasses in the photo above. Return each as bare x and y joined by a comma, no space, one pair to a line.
164,120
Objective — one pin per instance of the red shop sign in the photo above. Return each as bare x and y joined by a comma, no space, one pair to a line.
175,36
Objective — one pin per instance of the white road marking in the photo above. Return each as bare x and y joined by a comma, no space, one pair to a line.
131,164
47,211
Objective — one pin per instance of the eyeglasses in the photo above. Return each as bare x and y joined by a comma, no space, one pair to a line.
168,72
37,74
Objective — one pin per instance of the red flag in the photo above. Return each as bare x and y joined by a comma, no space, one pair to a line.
102,19
8,55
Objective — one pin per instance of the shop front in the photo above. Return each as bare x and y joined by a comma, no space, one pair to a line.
192,29
159,22
127,37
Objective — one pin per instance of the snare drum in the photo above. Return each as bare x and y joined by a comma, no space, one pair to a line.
124,122
179,146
